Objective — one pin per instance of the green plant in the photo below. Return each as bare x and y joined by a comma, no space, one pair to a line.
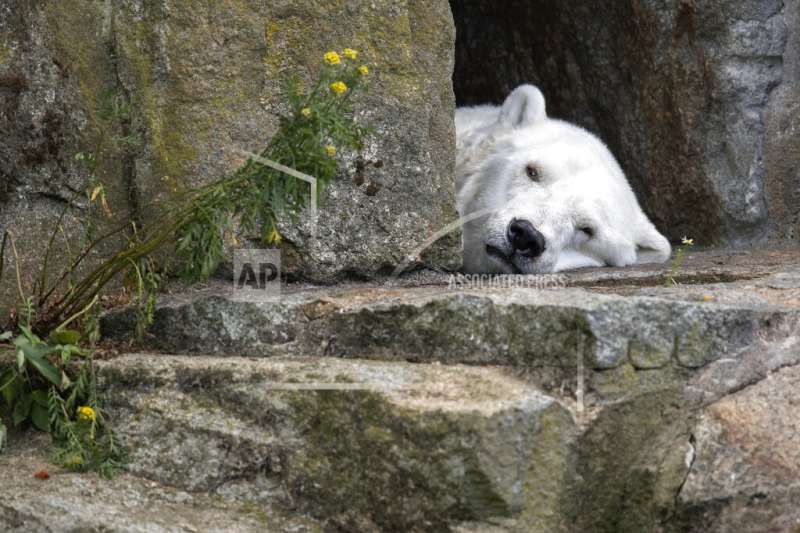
318,124
82,436
37,389
51,383
677,261
116,111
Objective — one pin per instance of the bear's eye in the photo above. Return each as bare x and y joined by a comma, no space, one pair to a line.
532,172
588,231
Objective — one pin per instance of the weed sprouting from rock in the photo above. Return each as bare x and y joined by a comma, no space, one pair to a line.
48,379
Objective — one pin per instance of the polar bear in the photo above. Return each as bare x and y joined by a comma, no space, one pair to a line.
539,195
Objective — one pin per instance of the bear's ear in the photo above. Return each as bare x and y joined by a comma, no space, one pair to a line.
523,107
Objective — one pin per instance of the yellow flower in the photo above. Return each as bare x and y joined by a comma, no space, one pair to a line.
338,87
74,461
330,150
97,190
273,237
86,413
306,112
707,297
364,70
349,53
687,241
332,58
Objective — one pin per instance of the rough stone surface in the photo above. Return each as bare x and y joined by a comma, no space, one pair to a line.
630,463
203,81
745,459
614,329
70,502
675,402
697,435
394,445
698,100
55,78
622,404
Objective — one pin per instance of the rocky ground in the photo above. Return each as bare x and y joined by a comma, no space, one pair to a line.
83,502
606,402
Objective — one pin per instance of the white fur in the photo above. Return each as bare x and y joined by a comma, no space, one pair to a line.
580,185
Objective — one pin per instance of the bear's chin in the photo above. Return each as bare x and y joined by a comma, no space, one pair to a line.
502,265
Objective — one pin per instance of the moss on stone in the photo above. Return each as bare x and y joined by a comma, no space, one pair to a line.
695,347
618,463
546,500
387,463
5,54
625,381
644,355
79,41
171,152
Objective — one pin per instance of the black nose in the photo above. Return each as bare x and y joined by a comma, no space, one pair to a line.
525,239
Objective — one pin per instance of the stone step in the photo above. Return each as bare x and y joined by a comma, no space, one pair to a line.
70,502
313,444
604,407
392,446
547,333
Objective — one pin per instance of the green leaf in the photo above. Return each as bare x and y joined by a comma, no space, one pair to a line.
64,336
26,345
35,355
40,417
29,336
39,397
68,351
8,386
5,336
22,409
45,367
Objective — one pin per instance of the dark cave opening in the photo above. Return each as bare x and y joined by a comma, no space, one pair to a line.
494,55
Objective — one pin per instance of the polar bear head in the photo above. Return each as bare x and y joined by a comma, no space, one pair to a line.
539,195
